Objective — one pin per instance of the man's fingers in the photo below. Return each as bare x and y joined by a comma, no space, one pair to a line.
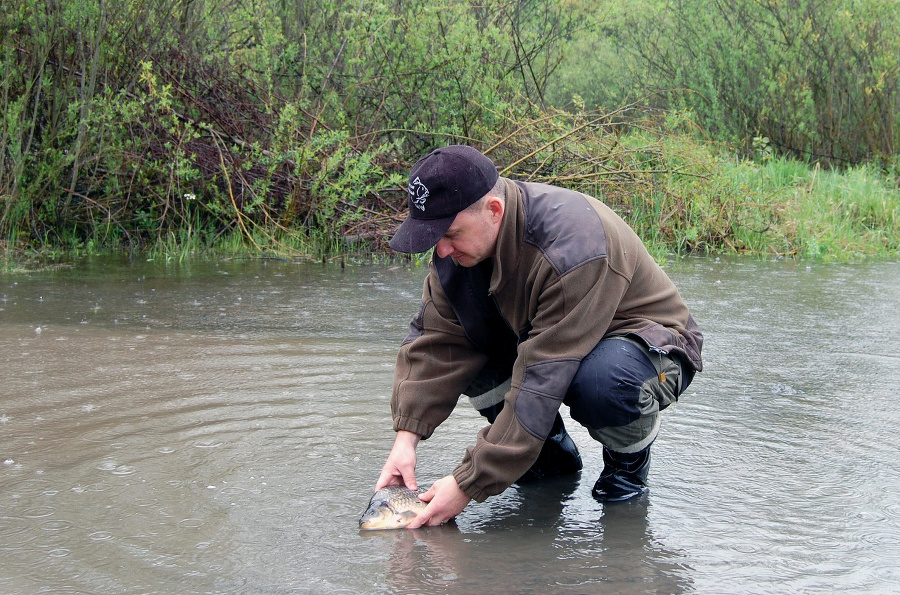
388,478
382,483
433,514
409,480
426,517
383,480
445,501
420,519
400,468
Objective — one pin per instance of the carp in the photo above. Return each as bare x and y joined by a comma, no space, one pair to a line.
392,507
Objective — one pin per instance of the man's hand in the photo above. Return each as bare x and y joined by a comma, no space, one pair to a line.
400,467
445,501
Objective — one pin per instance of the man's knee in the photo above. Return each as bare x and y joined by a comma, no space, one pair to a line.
619,390
606,389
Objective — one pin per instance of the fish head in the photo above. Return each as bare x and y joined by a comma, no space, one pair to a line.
392,507
380,515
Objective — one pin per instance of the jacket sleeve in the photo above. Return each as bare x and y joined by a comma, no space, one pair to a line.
568,317
435,364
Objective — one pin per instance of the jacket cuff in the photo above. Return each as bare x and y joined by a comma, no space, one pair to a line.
465,477
414,425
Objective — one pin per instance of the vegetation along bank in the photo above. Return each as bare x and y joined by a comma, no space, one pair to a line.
232,126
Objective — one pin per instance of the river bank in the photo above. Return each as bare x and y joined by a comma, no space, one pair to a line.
216,127
688,199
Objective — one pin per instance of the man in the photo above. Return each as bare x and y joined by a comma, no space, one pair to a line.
536,296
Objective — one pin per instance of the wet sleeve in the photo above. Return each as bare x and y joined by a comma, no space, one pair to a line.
571,315
434,365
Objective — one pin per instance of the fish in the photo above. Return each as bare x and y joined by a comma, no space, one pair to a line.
392,507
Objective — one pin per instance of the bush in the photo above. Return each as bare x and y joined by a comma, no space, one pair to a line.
125,121
820,79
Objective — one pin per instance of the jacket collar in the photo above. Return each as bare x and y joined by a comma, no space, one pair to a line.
511,231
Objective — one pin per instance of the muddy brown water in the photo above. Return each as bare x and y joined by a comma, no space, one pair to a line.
217,427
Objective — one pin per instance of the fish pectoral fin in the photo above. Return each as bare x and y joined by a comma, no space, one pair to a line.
408,514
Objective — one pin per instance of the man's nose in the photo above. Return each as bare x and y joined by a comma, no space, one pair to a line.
443,248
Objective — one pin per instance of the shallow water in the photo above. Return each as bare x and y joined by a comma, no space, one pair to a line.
218,428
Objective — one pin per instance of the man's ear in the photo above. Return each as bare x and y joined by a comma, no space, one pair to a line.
496,206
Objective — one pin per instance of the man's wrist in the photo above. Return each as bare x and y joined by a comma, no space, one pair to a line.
407,437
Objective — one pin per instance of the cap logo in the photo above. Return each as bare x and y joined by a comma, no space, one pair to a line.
417,193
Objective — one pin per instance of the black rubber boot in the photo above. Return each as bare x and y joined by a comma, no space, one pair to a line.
624,476
559,455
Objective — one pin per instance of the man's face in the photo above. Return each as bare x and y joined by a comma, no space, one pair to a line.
473,236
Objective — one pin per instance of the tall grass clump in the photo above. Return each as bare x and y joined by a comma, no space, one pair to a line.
686,196
783,207
679,194
848,215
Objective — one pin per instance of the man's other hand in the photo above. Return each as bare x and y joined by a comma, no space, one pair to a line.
445,501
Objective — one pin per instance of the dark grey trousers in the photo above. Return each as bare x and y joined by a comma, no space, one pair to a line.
619,390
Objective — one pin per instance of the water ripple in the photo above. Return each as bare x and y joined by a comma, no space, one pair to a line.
212,432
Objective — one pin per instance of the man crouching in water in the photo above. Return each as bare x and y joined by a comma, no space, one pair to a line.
536,297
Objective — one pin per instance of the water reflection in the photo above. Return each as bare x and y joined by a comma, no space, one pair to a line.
544,539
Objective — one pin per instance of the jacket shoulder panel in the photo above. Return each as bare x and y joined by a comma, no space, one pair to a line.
563,225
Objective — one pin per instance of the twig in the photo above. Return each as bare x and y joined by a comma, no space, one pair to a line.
237,210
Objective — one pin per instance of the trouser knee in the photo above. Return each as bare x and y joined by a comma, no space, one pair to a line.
619,390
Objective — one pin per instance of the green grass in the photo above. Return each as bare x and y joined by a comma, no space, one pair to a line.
711,203
848,215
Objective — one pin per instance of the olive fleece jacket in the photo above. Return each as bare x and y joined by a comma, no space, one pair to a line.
566,273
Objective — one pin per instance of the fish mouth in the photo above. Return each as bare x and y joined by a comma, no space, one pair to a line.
372,524
376,526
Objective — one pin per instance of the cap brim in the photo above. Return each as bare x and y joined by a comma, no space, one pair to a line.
420,235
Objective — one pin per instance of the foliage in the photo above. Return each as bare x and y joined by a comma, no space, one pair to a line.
125,121
819,78
179,125
848,215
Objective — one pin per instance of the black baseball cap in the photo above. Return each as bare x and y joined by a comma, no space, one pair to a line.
442,184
